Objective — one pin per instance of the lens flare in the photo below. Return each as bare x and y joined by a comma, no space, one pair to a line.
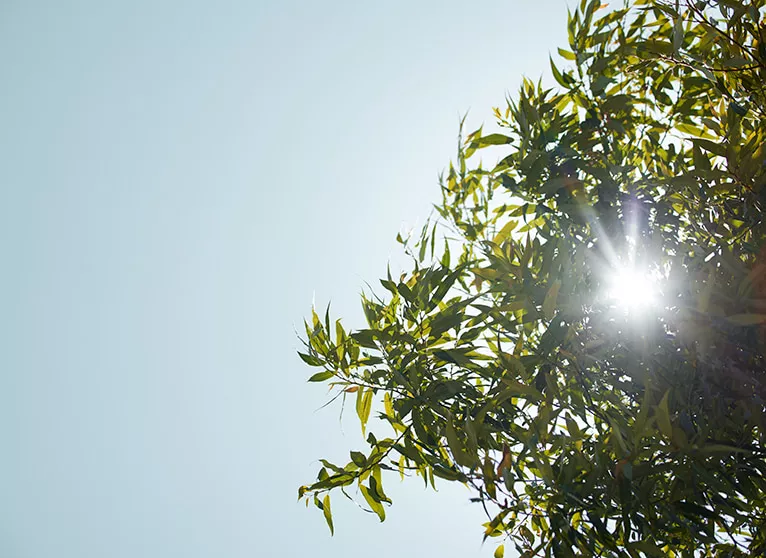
632,290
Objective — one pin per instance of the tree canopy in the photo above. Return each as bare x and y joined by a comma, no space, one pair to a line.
581,337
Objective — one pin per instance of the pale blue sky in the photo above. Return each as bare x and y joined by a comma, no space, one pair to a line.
178,179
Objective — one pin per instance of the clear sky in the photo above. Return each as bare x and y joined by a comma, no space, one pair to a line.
178,180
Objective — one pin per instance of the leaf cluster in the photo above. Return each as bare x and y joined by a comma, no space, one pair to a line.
498,361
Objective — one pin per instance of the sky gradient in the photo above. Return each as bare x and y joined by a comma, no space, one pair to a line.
179,181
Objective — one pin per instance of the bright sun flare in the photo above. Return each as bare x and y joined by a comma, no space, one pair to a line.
632,290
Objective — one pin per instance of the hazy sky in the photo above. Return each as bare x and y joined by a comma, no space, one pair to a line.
177,181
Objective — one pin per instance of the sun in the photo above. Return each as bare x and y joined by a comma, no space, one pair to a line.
632,290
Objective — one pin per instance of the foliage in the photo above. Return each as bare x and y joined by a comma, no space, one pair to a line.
586,428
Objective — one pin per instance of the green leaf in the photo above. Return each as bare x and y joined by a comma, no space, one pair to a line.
562,79
358,458
375,505
492,139
693,509
404,290
445,322
505,233
514,388
376,486
739,109
328,513
549,304
492,528
566,54
333,481
310,359
533,224
711,147
444,286
499,552
447,474
454,356
456,447
663,417
678,35
366,338
617,433
363,407
321,376
409,452
552,338
617,103
692,130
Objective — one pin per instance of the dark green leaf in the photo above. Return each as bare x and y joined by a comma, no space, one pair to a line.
321,376
310,360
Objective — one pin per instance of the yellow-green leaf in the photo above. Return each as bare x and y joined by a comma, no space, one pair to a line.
327,513
363,406
492,139
388,404
375,506
505,232
499,551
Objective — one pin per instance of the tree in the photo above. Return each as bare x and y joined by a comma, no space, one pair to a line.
588,422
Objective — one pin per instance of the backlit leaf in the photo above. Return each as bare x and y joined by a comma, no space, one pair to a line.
328,513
